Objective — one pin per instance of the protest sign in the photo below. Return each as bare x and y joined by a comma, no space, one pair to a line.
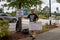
35,26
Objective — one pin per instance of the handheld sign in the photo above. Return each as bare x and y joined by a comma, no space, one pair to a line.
35,26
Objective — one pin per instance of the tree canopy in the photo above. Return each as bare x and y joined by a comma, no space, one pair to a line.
58,1
1,10
23,3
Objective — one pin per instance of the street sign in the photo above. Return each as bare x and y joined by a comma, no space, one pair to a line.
25,12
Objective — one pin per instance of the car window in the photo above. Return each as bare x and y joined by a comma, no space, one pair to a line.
3,15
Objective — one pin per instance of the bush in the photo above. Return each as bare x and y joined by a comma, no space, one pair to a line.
42,16
4,25
54,24
45,28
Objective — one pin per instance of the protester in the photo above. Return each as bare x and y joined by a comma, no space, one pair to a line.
33,18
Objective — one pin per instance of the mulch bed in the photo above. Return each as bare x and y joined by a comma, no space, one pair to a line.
19,35
16,36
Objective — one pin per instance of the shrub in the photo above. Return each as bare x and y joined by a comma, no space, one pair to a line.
4,31
45,28
42,16
54,24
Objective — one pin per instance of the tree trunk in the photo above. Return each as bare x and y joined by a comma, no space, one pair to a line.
19,22
20,19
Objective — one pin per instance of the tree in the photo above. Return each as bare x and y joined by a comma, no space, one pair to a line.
1,10
3,5
12,13
40,8
58,1
45,9
22,3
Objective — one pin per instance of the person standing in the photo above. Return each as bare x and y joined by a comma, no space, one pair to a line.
32,18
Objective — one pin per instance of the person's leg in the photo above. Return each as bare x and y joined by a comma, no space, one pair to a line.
30,33
34,34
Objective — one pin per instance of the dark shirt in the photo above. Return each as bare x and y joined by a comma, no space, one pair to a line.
32,17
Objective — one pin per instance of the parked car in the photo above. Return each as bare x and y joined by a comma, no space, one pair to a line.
8,17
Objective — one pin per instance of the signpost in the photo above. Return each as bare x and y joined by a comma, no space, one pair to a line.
25,12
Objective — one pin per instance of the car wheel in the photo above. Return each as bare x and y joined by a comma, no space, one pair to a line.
14,20
1,19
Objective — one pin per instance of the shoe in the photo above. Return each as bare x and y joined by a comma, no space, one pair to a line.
30,36
33,38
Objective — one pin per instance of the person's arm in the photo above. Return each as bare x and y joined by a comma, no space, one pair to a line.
28,16
36,18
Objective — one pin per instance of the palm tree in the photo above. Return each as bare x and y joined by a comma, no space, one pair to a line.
1,10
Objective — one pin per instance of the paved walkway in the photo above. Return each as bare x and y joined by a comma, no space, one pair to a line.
53,34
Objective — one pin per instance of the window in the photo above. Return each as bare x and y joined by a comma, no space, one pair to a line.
4,15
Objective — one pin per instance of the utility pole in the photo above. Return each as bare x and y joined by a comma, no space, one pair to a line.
57,9
50,10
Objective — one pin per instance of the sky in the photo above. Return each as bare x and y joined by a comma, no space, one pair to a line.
5,8
54,4
45,3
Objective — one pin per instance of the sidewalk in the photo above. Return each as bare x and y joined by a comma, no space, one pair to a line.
53,34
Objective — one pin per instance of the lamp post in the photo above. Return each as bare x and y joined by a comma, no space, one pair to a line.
50,10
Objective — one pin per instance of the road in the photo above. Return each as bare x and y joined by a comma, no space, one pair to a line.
25,23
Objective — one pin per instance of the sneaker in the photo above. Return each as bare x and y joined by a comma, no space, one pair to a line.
30,36
33,38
